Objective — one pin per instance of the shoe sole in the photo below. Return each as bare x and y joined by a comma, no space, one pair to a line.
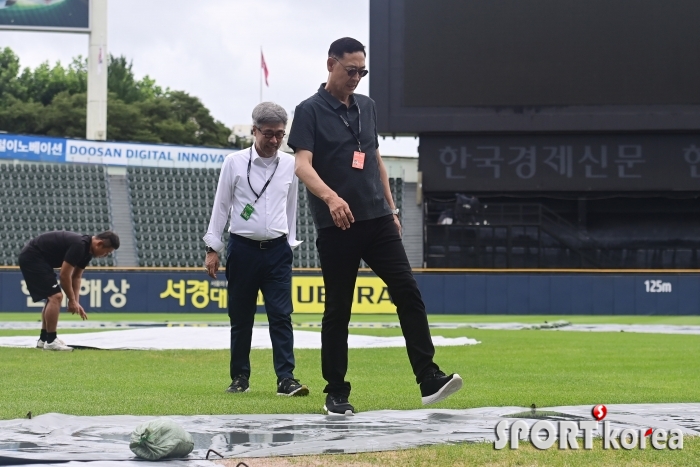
452,386
237,392
302,391
328,412
69,349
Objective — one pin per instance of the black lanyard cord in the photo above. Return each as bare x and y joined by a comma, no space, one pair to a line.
250,160
359,126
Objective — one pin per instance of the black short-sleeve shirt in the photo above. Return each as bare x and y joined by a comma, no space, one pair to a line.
59,246
319,128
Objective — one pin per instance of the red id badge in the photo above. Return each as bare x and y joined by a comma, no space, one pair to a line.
358,160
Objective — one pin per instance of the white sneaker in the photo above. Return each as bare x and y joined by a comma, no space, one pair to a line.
40,343
58,344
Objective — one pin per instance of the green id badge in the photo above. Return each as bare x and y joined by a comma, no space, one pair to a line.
247,211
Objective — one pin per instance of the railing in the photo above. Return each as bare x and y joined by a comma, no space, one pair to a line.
504,246
548,222
500,235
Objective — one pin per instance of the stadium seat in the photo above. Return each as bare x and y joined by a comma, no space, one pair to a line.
39,197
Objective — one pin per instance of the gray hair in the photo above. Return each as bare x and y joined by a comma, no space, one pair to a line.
269,112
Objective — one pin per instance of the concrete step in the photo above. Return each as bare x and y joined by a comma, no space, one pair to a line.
412,223
122,222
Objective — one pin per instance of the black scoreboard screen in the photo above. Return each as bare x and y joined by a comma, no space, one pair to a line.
551,52
535,65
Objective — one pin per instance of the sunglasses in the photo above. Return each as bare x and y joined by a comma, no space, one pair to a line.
269,134
352,71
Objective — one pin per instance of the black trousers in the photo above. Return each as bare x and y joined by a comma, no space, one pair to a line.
249,270
377,241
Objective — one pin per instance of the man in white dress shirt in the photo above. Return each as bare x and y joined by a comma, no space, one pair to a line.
257,186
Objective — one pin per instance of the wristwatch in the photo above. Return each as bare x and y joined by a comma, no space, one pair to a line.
210,249
395,211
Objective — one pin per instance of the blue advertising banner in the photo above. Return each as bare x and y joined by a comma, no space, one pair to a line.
184,292
517,293
45,149
32,148
562,293
155,155
115,291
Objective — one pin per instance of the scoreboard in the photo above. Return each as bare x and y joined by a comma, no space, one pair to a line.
455,66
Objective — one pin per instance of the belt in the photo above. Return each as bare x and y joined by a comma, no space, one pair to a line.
261,244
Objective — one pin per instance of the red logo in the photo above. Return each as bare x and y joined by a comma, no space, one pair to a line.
648,432
599,412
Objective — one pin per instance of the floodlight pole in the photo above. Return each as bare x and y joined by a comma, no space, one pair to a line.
97,72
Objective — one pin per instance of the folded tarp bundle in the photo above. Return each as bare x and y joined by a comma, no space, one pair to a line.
161,438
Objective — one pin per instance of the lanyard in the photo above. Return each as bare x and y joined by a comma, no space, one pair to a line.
250,160
359,126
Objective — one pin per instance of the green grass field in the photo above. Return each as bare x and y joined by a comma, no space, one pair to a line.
509,368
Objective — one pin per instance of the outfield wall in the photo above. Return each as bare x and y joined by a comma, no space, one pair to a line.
580,292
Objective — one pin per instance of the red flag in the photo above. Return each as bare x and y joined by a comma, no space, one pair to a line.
264,68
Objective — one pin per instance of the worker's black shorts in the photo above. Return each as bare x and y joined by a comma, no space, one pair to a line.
39,276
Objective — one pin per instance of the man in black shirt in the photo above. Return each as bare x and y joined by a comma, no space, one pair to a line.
71,252
334,137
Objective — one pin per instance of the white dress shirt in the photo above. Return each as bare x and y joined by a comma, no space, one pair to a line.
275,212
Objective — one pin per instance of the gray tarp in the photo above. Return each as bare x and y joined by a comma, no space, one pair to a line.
161,338
56,436
555,325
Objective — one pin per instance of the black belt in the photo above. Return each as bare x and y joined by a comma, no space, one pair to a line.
261,244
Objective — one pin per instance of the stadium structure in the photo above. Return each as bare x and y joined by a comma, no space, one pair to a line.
558,174
553,160
160,213
553,134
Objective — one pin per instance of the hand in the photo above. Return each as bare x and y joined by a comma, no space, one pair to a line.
398,225
211,264
74,307
340,212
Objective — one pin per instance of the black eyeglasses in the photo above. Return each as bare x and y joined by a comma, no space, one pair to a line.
352,71
269,134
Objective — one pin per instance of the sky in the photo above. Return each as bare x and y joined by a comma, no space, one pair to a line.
211,49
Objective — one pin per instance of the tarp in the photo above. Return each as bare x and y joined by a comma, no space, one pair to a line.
166,338
512,326
644,328
567,326
105,438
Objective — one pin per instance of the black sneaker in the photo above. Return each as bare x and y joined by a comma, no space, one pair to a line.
239,384
291,387
438,386
338,404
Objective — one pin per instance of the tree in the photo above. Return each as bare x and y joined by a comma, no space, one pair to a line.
122,82
65,116
52,101
9,69
17,116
